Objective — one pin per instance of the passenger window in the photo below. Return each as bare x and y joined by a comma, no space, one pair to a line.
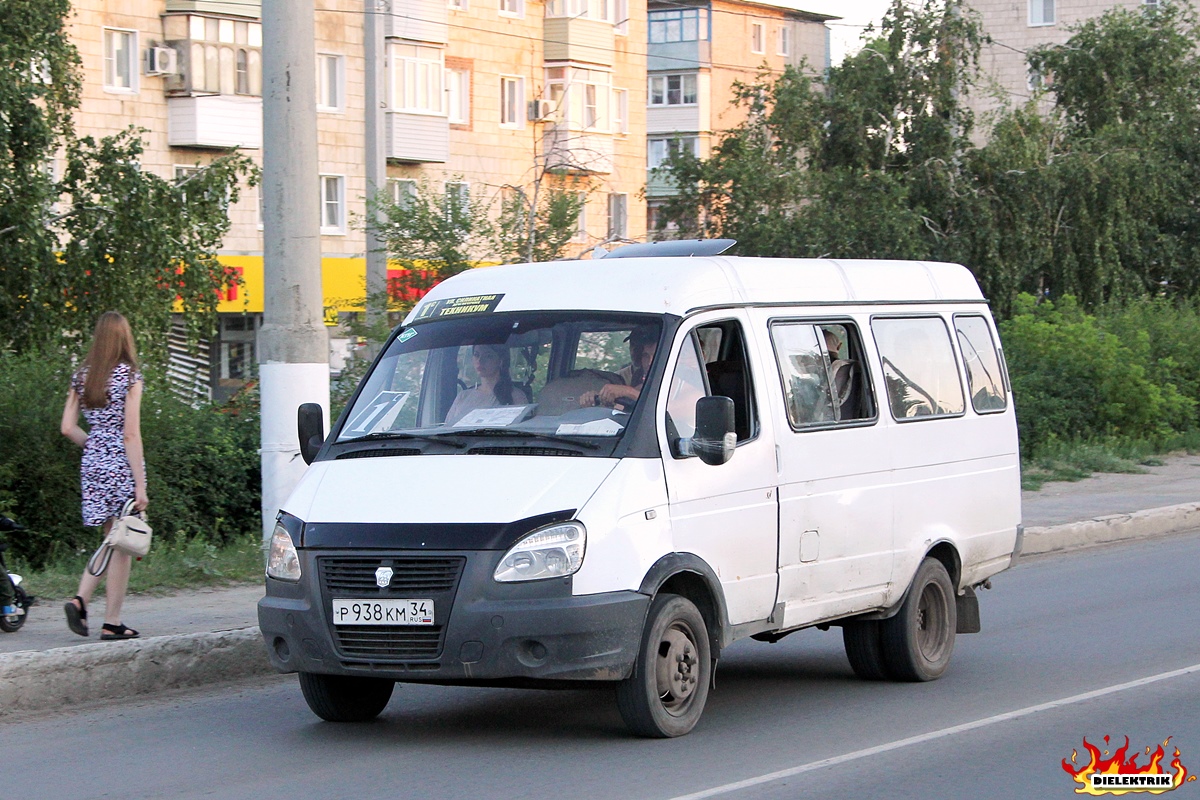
713,361
985,379
822,370
919,369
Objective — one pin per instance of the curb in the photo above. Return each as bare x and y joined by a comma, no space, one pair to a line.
49,680
1113,528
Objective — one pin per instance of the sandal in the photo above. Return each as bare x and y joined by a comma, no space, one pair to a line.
76,615
118,631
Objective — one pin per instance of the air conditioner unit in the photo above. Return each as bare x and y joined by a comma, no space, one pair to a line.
540,110
161,61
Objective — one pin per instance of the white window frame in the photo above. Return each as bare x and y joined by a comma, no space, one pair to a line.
461,188
659,147
512,114
339,204
402,191
110,70
458,96
456,5
758,38
620,111
580,234
666,89
408,71
621,14
1043,22
338,106
783,43
511,8
618,223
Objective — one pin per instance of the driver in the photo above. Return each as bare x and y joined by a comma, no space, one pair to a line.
643,343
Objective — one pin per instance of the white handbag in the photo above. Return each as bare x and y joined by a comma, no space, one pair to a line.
130,533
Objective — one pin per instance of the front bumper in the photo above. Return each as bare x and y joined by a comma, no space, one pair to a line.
485,631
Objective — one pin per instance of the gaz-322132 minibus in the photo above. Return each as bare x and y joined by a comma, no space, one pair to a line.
607,471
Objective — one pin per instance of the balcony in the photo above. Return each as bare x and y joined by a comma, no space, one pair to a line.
417,20
233,8
577,151
417,137
678,56
215,121
587,41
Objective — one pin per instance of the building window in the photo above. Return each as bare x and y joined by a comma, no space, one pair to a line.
621,14
673,90
333,204
457,5
512,102
458,96
657,150
579,97
758,37
512,8
785,42
458,203
222,56
417,78
403,192
1033,80
620,110
1041,12
618,216
581,9
581,220
120,60
679,25
591,110
331,78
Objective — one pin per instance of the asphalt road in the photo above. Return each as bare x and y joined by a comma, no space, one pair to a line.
1085,644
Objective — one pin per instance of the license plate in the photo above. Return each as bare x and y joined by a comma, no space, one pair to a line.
382,612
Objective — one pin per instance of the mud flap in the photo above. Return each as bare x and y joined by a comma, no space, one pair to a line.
967,605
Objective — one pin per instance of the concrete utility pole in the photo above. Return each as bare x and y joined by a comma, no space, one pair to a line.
373,59
293,345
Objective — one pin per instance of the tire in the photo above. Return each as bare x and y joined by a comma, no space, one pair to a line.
21,601
342,698
665,695
864,649
918,641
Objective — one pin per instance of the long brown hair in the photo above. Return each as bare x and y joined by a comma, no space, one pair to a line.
112,344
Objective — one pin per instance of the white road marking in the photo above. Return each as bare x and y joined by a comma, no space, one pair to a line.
938,734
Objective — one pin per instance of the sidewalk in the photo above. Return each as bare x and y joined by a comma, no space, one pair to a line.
207,636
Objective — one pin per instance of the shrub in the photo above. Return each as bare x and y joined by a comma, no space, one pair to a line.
202,464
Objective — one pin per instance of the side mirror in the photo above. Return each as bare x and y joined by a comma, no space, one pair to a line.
714,440
310,425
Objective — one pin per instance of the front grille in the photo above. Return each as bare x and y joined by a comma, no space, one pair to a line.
435,579
390,641
409,575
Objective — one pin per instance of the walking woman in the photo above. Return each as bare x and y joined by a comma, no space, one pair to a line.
108,390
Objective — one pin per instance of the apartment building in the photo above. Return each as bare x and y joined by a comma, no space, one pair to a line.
697,51
1016,26
482,97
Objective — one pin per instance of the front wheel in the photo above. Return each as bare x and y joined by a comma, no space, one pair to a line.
665,695
14,623
918,641
345,698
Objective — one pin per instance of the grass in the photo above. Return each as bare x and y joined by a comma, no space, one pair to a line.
1074,461
171,564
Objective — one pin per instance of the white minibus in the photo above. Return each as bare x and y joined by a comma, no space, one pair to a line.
609,470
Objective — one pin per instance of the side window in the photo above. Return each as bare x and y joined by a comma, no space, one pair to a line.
821,366
713,361
985,379
919,369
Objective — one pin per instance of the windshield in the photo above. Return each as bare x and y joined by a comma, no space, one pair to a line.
563,376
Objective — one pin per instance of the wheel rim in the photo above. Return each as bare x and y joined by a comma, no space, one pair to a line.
932,623
677,668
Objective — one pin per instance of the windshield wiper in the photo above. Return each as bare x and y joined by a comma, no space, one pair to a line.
438,438
533,434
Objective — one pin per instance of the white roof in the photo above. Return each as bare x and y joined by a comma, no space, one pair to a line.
679,285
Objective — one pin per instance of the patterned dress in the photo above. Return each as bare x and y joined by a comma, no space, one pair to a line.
105,475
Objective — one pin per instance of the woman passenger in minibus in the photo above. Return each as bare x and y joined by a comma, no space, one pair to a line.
495,386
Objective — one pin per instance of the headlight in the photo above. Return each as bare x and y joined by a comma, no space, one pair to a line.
283,563
553,552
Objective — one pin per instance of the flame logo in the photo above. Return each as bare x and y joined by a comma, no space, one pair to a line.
1120,763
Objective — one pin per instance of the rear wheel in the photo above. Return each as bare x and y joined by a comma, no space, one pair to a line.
14,623
665,695
345,698
864,648
918,641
